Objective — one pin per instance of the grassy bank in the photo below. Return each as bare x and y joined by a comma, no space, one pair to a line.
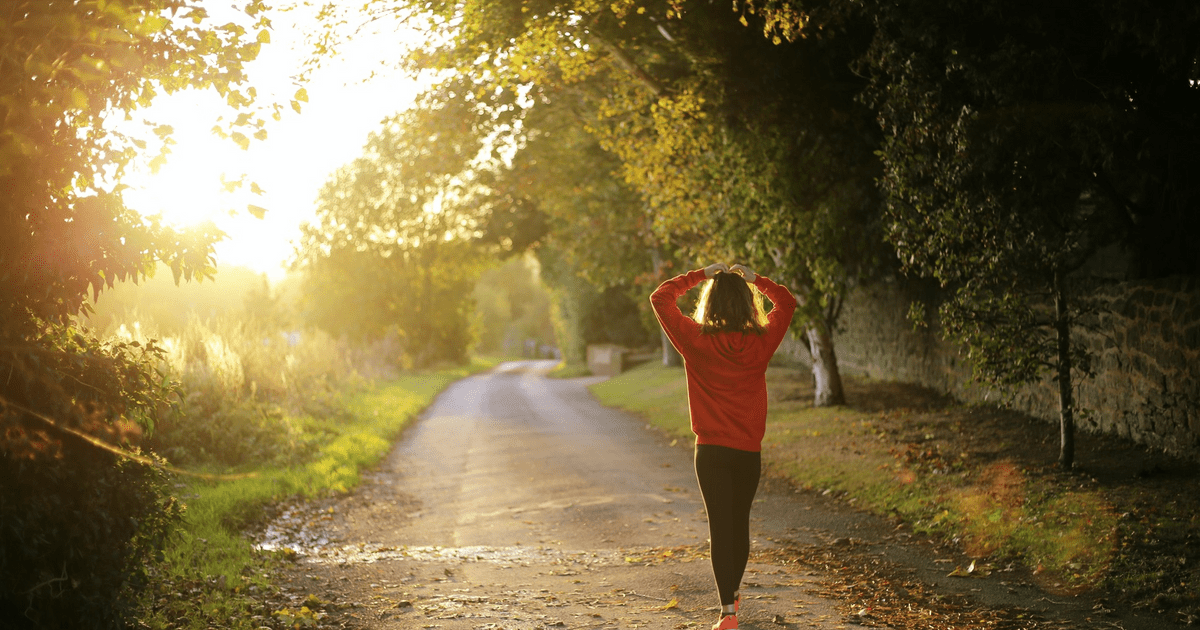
1124,520
211,576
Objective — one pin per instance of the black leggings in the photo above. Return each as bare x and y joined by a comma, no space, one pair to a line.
728,480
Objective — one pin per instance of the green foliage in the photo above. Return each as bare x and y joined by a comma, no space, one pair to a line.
421,299
572,295
245,388
77,522
1021,144
170,306
755,152
1071,122
396,238
751,150
596,226
512,306
66,67
615,317
584,313
77,533
597,250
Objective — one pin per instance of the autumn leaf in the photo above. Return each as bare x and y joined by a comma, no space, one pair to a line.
959,572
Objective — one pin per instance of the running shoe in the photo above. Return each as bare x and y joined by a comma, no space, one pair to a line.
728,622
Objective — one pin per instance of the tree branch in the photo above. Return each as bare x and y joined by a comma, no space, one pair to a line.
115,450
625,63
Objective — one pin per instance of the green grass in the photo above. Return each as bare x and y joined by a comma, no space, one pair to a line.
996,510
653,391
569,370
211,559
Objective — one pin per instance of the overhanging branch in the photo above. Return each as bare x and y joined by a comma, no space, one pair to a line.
629,65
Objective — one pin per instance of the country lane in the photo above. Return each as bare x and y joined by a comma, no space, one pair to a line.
517,501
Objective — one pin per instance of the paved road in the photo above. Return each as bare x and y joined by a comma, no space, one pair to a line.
517,501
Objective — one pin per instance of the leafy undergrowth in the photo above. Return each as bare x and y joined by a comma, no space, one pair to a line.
211,576
1124,521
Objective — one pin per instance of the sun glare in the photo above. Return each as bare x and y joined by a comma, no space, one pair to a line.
348,97
187,190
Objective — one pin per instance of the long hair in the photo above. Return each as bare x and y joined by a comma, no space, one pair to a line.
728,304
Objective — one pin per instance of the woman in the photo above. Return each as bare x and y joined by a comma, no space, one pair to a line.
726,347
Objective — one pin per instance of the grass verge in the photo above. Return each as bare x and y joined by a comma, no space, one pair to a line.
569,370
1124,520
210,575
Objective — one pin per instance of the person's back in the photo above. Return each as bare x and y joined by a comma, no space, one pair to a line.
726,349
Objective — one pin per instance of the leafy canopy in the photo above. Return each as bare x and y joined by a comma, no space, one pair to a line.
398,234
68,70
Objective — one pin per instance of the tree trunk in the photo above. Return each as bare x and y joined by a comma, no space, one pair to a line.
827,381
1066,402
670,356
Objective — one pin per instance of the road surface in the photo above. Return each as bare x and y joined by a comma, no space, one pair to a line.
517,501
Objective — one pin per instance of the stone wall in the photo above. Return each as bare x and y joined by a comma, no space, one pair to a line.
1145,344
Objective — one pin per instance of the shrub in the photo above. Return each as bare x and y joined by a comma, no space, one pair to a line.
247,388
76,521
75,535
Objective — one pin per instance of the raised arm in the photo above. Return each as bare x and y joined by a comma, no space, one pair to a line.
780,317
679,327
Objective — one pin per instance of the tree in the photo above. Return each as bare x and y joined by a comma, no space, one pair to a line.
397,235
80,519
764,154
682,117
1020,144
513,307
596,247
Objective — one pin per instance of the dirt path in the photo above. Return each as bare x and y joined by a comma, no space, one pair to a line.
517,501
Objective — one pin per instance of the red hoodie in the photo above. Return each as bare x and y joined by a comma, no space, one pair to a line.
726,372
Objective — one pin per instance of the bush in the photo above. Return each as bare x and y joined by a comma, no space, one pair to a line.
76,532
247,390
76,522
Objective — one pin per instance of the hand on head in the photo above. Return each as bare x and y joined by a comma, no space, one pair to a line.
744,272
712,269
740,269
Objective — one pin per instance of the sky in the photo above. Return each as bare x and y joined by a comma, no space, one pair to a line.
348,97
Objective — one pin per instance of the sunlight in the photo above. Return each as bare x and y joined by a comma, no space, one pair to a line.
187,190
348,98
